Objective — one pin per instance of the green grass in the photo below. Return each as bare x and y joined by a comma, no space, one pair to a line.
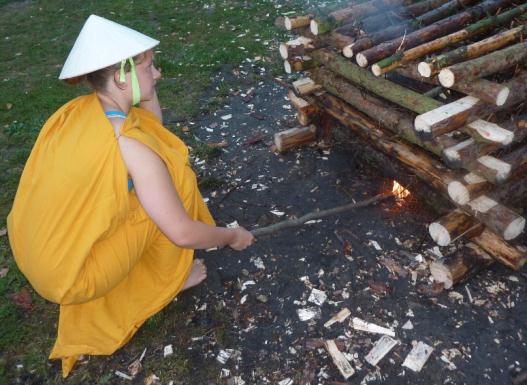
197,39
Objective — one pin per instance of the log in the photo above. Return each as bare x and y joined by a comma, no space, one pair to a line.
305,111
484,65
460,265
402,57
471,51
500,250
388,90
498,171
468,188
298,63
417,9
295,137
469,150
396,121
468,109
297,47
453,226
512,193
305,86
440,28
297,21
485,90
497,217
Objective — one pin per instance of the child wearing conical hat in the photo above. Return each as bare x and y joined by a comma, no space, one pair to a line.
107,213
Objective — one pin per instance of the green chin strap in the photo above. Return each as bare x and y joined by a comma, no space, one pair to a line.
136,91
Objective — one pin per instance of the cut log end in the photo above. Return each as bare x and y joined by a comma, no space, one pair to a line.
376,69
287,67
288,24
446,78
361,60
442,274
422,125
458,193
502,96
514,229
283,51
313,26
347,51
439,234
424,69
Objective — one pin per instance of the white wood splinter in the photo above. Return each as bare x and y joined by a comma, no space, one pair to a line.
339,317
381,348
359,324
418,356
339,360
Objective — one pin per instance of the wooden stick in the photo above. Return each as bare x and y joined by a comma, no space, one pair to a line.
339,360
298,63
318,215
452,226
294,22
299,46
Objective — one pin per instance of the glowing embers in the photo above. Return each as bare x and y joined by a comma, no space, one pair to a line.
399,191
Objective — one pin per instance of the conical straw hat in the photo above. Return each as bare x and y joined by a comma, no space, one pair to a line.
102,43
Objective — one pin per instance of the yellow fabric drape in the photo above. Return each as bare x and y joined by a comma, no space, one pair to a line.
84,241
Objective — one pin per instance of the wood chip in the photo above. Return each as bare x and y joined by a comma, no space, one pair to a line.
339,317
380,349
418,356
339,360
359,324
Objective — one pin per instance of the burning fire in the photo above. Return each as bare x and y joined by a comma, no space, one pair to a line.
399,191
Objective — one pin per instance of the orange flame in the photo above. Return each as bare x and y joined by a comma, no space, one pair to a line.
399,191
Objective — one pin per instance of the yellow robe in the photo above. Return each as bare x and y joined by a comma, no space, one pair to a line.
84,241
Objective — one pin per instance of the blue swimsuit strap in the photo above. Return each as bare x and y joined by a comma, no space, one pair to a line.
115,114
122,115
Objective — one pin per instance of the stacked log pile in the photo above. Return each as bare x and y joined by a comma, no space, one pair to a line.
379,67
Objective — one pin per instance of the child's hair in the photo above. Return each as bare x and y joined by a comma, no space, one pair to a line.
99,78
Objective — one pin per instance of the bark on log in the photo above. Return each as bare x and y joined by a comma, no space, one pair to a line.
460,265
485,90
305,111
500,250
294,137
422,7
484,65
407,56
471,51
388,90
440,28
453,226
369,41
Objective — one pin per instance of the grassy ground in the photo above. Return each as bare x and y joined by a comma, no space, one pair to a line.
197,39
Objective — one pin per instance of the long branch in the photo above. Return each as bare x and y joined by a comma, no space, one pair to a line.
318,214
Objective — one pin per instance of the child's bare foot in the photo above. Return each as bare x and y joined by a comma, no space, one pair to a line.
198,273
